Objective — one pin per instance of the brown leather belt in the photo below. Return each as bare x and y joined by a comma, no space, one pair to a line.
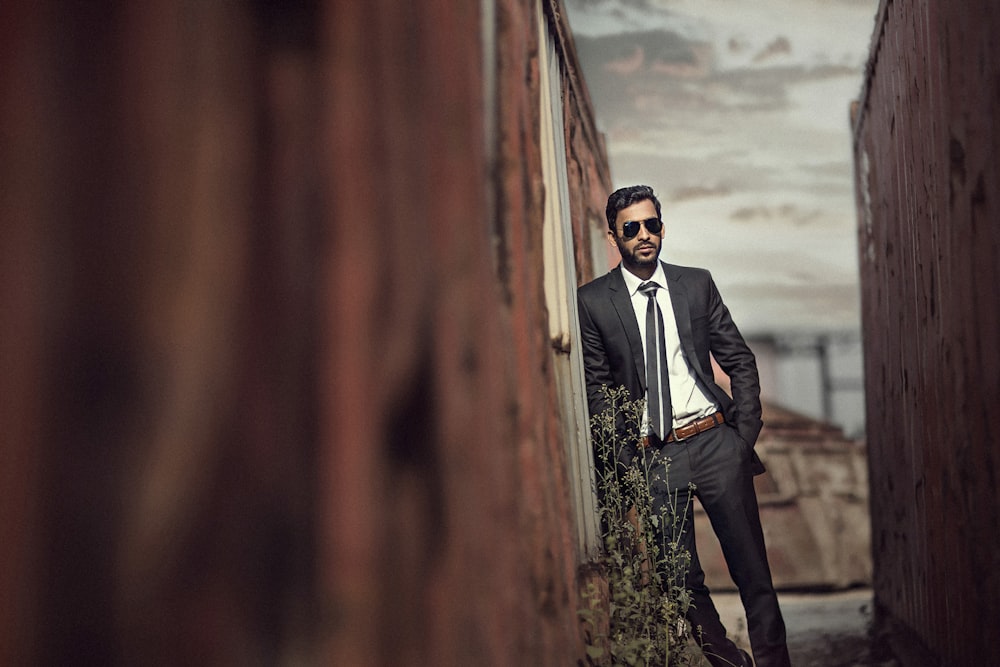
688,430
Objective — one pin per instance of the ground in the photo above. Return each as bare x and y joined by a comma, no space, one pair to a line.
824,629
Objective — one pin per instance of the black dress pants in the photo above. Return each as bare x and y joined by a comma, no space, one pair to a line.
715,467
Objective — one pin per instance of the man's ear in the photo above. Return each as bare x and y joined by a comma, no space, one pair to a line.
611,239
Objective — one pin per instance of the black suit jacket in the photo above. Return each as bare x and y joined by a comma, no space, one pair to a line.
612,346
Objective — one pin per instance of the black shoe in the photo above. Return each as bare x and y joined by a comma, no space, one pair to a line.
747,660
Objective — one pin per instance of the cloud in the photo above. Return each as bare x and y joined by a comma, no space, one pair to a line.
737,114
663,70
780,46
776,213
687,193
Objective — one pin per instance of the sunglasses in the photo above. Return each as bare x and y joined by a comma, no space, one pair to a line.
631,228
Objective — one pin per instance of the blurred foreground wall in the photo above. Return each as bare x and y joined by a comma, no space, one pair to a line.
277,373
928,183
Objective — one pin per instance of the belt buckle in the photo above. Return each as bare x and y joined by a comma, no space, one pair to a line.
677,437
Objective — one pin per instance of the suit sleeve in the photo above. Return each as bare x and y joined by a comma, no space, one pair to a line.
596,367
598,377
738,362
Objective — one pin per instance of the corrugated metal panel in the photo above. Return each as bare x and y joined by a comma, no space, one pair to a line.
277,381
929,198
560,295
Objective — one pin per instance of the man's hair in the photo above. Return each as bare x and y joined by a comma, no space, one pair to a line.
625,197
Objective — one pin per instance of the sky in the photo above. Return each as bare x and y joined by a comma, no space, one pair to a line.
737,113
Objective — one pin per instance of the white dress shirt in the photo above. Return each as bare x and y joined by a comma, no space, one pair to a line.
687,398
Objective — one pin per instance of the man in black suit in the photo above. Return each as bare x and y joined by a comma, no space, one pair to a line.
651,325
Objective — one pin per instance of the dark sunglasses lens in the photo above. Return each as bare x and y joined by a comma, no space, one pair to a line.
631,228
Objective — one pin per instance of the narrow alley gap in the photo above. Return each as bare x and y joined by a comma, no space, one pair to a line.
824,629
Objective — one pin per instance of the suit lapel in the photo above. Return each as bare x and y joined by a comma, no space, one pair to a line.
622,301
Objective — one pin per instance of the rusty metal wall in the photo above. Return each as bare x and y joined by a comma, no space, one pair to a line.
158,264
928,186
276,377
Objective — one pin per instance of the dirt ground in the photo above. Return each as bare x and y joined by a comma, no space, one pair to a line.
824,629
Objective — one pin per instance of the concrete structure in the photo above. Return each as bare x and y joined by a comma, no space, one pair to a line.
928,185
287,333
813,505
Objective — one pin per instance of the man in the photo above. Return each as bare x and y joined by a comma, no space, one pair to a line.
649,324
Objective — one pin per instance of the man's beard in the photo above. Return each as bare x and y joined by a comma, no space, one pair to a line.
635,259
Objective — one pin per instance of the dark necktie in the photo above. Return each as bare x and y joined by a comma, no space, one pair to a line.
657,382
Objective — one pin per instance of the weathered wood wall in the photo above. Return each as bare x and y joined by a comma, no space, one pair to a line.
276,379
926,144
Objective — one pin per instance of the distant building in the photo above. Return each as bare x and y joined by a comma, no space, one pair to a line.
820,375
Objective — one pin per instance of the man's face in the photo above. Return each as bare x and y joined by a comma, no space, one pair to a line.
640,252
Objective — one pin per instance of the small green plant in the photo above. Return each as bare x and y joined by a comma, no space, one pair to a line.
639,618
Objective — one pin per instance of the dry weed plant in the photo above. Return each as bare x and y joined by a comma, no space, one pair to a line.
640,618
